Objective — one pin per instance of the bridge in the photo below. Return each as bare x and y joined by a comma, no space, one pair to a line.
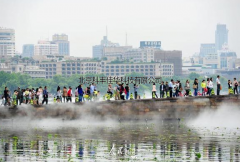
168,108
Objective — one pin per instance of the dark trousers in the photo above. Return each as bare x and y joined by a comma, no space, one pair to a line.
235,89
208,92
218,89
154,92
161,94
135,95
69,99
170,91
187,92
45,99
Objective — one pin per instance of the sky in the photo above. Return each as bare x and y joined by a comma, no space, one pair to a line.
178,24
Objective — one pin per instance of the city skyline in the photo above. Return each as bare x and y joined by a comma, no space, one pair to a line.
184,29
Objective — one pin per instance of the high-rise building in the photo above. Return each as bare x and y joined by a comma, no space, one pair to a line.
221,36
174,57
227,58
63,44
28,50
97,50
45,48
7,42
207,48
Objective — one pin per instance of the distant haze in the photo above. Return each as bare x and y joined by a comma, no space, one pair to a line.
179,24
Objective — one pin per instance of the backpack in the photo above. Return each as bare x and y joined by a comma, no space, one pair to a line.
69,93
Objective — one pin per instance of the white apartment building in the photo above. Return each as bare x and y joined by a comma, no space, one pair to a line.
68,68
45,48
166,69
7,42
148,69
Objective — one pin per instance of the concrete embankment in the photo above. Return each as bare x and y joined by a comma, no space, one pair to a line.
170,108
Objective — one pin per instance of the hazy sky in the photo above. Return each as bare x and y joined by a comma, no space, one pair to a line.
179,24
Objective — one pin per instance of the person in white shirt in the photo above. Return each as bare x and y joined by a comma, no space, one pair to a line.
154,91
210,86
218,85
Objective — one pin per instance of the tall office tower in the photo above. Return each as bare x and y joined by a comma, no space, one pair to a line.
28,50
221,36
7,42
63,44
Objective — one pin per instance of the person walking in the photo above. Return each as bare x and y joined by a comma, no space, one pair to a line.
45,95
117,90
195,87
5,93
187,87
162,89
203,86
210,86
122,91
170,85
64,94
92,88
218,85
109,91
154,91
59,94
229,86
80,93
127,89
167,89
235,84
69,94
135,87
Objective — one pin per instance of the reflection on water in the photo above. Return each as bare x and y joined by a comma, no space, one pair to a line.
129,141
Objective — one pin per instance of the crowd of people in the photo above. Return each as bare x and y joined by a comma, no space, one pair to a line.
120,91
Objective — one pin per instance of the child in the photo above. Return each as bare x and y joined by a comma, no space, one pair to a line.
54,100
15,98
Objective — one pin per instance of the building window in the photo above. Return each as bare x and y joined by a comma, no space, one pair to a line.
122,66
73,68
112,70
117,66
73,64
68,64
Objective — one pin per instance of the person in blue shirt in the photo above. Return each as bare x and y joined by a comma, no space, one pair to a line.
45,95
80,93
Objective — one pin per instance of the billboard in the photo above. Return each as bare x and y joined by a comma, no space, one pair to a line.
155,44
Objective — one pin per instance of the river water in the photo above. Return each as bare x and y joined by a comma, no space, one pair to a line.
113,140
